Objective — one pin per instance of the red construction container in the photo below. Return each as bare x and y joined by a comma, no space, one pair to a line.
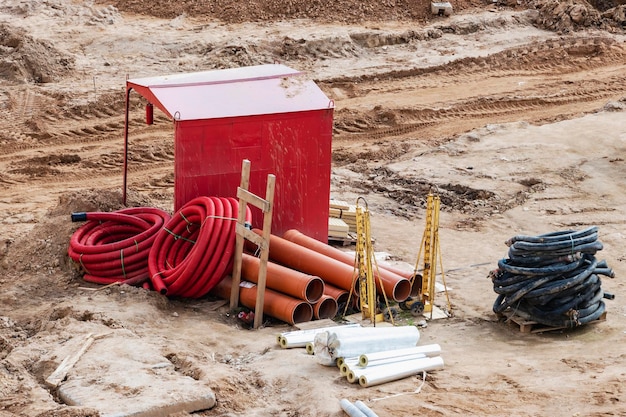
271,115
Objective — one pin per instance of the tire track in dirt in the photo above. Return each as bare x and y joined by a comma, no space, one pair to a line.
20,105
566,56
78,144
493,107
561,56
78,131
576,83
90,163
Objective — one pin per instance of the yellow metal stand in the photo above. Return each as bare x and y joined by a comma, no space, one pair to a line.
364,269
363,264
431,254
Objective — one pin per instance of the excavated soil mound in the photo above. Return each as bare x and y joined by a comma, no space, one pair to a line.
561,16
234,11
574,15
24,59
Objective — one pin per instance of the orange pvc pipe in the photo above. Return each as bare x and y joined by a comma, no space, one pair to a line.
308,261
275,304
396,286
385,271
301,239
325,308
341,296
282,279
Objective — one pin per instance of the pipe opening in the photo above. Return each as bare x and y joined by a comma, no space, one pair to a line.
351,377
314,290
326,308
282,342
342,298
302,313
402,290
417,286
344,369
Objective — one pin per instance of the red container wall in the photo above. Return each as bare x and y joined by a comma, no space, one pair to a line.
296,147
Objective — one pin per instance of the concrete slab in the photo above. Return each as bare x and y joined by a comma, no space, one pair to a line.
358,318
123,376
437,314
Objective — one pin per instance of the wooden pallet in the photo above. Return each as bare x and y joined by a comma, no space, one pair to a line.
349,239
529,326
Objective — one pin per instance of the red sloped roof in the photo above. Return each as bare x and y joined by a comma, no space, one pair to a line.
245,91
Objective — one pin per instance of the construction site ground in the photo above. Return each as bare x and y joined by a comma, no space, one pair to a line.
513,112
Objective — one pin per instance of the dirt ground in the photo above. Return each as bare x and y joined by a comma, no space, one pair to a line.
514,112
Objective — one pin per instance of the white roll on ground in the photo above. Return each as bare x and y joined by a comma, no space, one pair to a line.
428,350
386,361
320,349
398,370
354,373
358,341
347,364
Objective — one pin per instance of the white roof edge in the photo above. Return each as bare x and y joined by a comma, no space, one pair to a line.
217,76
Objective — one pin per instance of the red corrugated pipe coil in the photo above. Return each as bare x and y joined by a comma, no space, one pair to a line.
195,249
113,247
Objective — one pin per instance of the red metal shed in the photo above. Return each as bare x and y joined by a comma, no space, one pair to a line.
271,115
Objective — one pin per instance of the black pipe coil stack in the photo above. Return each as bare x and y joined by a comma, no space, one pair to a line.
552,279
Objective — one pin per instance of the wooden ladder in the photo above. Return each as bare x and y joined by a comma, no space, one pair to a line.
263,242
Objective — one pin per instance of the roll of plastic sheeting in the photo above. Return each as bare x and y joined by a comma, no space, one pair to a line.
320,349
358,341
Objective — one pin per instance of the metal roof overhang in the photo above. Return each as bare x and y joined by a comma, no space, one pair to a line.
245,91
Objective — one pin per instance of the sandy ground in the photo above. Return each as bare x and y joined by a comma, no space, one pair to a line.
516,115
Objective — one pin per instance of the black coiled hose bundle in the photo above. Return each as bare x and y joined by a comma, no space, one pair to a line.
552,278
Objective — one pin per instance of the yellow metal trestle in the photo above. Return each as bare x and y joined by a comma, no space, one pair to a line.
430,255
366,272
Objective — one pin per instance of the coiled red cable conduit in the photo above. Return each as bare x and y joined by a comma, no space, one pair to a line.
195,249
113,247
